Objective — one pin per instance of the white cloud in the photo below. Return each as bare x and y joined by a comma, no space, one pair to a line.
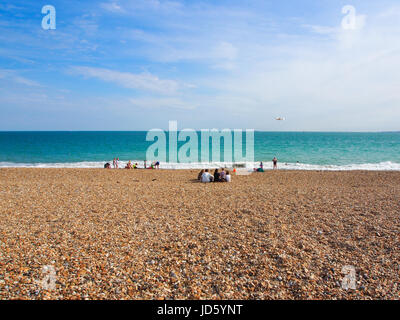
8,7
174,103
142,81
87,24
132,6
390,12
13,76
226,50
225,53
112,7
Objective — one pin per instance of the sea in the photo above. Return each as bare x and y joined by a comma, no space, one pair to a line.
295,150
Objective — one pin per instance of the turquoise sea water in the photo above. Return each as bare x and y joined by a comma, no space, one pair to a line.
295,150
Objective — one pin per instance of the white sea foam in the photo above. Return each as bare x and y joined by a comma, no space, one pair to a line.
382,166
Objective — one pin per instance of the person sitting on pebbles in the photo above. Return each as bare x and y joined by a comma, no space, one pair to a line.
128,165
200,174
206,177
222,175
228,177
216,176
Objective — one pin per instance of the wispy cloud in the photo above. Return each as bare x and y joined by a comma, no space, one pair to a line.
169,103
129,6
12,75
112,7
142,81
8,7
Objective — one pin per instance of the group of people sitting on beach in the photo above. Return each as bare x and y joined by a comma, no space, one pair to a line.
153,165
205,176
130,165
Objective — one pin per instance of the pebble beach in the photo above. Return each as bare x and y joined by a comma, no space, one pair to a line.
160,234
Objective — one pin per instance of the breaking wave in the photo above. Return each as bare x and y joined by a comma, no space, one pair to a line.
382,166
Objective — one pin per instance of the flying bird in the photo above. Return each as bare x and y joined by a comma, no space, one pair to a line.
280,119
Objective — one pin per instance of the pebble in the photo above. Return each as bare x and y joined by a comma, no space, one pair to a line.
150,240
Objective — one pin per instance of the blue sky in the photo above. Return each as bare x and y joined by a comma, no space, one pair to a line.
136,64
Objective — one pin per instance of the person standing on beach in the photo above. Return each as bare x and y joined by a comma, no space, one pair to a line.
275,162
114,163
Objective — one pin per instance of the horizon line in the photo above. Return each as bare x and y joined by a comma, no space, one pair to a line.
267,131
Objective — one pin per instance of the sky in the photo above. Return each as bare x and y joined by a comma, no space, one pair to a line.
137,64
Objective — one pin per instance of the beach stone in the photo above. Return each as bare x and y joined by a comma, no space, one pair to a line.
280,235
